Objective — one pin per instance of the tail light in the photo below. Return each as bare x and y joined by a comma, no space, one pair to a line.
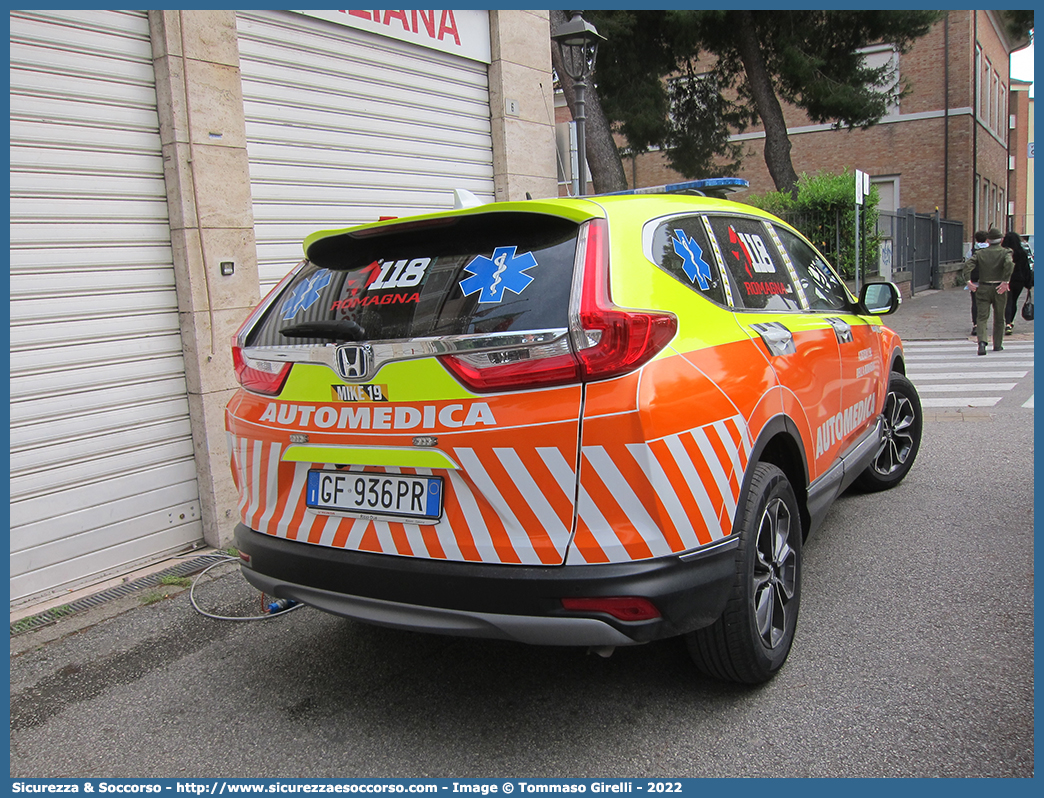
259,376
515,369
604,340
610,341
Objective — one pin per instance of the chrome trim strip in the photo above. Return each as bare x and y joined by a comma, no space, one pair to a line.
406,349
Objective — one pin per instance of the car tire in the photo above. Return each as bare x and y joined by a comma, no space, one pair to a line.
750,642
902,437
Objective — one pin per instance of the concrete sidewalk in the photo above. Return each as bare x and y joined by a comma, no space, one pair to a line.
946,315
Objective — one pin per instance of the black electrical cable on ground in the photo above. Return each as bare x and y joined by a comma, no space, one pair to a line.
265,617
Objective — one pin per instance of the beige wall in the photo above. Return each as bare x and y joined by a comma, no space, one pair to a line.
521,99
203,133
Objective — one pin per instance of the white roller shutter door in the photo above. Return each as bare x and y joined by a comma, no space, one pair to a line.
102,469
345,126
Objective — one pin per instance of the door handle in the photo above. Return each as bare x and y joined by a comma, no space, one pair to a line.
778,339
842,329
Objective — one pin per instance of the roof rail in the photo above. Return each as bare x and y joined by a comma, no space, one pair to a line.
718,187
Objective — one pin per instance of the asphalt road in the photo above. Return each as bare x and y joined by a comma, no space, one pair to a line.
913,657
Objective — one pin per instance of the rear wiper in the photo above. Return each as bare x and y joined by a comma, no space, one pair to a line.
339,330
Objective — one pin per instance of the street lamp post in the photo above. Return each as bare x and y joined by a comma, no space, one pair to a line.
578,43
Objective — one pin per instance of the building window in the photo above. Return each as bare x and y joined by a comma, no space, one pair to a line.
995,116
977,211
887,192
1002,112
886,57
978,78
987,88
984,206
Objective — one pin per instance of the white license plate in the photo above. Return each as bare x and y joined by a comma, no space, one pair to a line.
400,495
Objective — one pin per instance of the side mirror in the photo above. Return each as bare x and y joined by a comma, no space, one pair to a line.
880,299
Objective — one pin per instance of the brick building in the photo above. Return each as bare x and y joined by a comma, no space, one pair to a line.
943,146
1020,160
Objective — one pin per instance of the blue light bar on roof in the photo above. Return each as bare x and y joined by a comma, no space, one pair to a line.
713,186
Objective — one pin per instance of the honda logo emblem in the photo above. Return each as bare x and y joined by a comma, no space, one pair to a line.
353,362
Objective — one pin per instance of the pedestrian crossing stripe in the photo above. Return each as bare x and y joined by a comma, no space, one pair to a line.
961,401
993,386
938,354
917,365
962,344
919,376
949,374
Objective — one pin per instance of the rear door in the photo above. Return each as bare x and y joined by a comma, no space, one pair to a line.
802,347
432,349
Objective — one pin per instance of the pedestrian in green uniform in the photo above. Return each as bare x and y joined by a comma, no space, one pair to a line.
995,267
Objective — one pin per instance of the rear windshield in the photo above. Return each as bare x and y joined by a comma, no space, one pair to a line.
497,272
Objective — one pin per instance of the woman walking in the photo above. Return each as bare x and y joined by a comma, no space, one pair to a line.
1021,278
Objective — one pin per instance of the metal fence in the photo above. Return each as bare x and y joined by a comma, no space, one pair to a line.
922,244
833,233
902,242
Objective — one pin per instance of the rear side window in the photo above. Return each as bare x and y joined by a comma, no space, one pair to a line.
681,247
760,278
496,272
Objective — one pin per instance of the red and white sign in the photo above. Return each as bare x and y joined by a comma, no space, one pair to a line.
464,33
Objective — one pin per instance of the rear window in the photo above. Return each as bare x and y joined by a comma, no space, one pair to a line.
498,272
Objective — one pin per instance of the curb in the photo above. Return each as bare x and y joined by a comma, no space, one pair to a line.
54,614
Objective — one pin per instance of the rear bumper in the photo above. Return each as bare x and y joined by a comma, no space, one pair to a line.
512,602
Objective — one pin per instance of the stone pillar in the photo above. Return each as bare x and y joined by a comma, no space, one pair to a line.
521,100
203,133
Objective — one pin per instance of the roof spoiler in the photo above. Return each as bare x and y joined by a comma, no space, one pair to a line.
719,187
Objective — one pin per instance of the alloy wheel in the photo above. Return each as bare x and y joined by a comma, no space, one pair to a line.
899,420
775,572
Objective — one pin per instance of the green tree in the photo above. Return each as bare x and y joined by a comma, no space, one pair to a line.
823,209
684,80
1019,25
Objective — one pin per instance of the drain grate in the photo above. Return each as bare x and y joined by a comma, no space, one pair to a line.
182,569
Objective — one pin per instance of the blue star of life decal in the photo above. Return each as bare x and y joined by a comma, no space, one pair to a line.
505,270
695,267
305,294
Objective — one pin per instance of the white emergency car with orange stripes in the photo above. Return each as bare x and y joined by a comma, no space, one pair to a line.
586,421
